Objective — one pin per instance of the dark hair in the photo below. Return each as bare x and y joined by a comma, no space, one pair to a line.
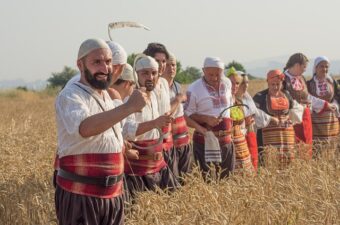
299,58
154,48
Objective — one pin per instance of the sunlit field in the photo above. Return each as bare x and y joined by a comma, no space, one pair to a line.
308,192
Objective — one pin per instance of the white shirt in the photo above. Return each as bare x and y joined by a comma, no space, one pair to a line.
73,105
174,90
149,112
163,96
262,119
74,79
200,101
116,103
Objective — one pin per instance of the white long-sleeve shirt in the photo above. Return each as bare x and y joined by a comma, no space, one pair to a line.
262,119
73,105
201,101
174,90
149,112
162,93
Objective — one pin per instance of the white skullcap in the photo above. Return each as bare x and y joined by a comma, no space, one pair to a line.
119,55
172,57
213,62
90,45
127,73
146,62
319,60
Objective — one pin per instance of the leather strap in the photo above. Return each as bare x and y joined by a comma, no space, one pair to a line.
100,181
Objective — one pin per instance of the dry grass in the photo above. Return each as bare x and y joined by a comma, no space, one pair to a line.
306,193
28,143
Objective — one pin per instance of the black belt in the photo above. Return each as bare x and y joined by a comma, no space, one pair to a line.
107,181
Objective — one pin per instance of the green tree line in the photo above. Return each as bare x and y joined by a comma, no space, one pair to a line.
184,75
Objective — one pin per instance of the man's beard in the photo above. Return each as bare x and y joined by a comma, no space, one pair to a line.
149,85
98,84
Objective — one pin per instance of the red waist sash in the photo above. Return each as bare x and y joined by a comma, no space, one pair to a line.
56,162
225,126
180,132
92,165
167,138
150,160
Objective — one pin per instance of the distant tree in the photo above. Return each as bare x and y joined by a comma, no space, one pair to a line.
131,58
238,66
189,75
61,78
179,67
22,88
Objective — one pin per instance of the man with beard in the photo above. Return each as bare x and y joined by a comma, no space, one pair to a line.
148,169
160,54
119,60
207,99
90,144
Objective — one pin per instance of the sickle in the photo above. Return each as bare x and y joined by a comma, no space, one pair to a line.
159,141
122,24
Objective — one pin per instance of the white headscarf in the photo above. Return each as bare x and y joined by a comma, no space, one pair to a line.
319,60
322,87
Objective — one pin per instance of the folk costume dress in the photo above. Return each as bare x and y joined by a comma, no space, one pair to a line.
180,135
254,119
206,100
243,164
325,123
162,93
90,170
297,88
282,136
150,170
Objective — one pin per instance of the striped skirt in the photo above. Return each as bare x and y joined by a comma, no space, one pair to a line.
325,126
243,159
283,139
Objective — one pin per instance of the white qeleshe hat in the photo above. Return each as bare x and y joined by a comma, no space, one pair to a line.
90,45
119,55
127,73
146,62
213,62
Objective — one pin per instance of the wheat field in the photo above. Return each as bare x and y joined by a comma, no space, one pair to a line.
308,192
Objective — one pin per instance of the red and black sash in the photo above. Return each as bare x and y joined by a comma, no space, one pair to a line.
150,160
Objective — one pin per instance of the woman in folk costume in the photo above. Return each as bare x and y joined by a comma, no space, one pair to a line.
207,97
254,117
148,169
322,85
296,85
243,163
180,131
278,103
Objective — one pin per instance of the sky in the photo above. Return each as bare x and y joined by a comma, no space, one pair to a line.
39,37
